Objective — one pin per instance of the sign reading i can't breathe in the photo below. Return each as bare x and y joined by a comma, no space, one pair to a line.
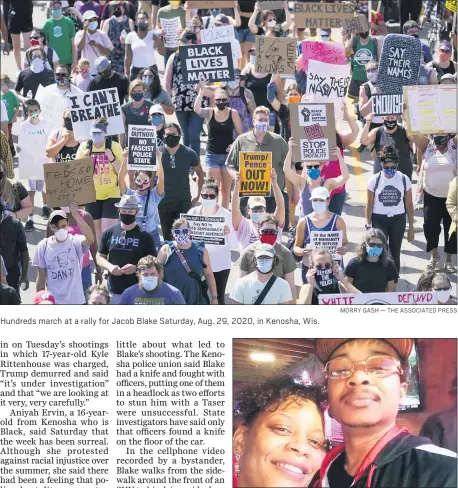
400,62
255,173
206,62
142,148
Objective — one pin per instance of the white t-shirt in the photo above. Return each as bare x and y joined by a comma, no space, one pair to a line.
220,256
63,264
82,83
143,52
4,113
389,195
439,170
91,53
247,289
32,140
54,90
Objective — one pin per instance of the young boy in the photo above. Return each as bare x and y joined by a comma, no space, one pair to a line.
83,78
33,136
11,102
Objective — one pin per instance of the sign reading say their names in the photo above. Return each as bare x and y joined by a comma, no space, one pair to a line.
387,104
206,62
322,15
276,55
142,148
330,240
255,173
87,107
304,118
390,298
400,62
70,182
355,25
207,229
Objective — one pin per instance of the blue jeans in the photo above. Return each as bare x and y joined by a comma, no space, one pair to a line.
215,161
191,126
86,278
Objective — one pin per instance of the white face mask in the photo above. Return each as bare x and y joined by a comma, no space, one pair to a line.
253,59
37,65
443,295
149,282
61,235
372,77
319,207
261,126
209,203
256,217
66,209
271,23
264,265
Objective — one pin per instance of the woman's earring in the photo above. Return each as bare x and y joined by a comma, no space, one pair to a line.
237,465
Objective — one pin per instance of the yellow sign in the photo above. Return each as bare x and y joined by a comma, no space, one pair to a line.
451,5
255,174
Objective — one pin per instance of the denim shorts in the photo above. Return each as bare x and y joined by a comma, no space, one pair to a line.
35,185
215,161
245,35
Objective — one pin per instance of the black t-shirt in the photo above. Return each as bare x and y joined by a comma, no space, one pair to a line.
30,81
8,296
118,81
138,244
371,277
12,241
176,173
337,476
283,114
246,6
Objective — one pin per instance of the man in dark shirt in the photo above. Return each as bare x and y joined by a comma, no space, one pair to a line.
122,246
8,295
177,161
107,78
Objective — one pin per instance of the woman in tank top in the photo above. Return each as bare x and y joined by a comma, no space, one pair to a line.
62,146
221,121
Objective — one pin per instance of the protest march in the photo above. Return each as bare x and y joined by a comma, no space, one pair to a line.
228,152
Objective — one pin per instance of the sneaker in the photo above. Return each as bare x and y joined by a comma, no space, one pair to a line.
361,148
433,261
45,212
449,268
29,226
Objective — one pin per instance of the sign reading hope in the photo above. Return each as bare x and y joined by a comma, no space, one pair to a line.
255,174
206,62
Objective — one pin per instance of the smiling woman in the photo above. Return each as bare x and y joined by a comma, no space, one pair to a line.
281,440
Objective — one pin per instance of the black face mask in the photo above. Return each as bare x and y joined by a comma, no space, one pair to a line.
127,219
441,141
68,124
172,140
105,73
390,124
415,35
364,35
221,106
324,279
117,12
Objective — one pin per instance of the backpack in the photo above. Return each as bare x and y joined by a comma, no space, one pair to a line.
107,144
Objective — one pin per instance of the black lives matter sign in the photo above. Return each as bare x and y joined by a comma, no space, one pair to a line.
142,148
206,62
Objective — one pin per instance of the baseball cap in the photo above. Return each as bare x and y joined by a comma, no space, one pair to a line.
326,347
101,63
265,250
156,109
97,128
448,76
221,19
320,192
57,213
43,297
89,14
256,202
445,45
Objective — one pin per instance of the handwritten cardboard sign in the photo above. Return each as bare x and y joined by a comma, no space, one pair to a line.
218,35
330,240
70,182
326,52
87,107
391,298
322,15
306,115
207,229
142,148
276,55
271,4
170,28
210,62
355,25
400,62
255,174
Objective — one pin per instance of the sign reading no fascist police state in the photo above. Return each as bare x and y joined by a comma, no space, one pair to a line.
142,148
206,62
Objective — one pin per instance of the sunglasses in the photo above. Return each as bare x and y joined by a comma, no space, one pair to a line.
208,196
142,180
323,266
446,51
220,100
315,166
184,232
268,232
61,75
442,289
373,244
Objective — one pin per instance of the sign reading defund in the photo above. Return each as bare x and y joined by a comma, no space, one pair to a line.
313,128
206,62
87,107
142,148
399,63
255,173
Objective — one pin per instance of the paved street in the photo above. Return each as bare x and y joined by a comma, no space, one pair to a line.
413,257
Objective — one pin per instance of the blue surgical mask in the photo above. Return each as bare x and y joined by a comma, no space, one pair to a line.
157,120
233,85
313,173
253,59
264,265
97,137
149,282
390,172
93,25
374,252
256,217
56,12
215,11
147,80
319,207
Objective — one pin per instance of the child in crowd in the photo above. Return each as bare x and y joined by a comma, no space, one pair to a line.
11,102
83,78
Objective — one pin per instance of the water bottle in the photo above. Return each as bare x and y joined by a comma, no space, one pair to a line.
124,33
29,95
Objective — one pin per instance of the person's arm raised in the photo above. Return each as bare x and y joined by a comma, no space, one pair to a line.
291,175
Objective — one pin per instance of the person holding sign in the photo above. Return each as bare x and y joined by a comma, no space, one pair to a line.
107,159
221,121
269,27
62,146
59,258
320,220
389,202
324,276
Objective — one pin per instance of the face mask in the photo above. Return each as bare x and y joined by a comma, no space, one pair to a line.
443,295
268,239
325,38
261,126
65,209
364,35
390,172
106,73
142,187
127,219
441,141
56,12
209,203
117,12
172,140
84,71
181,239
372,77
390,124
264,265
147,80
157,120
93,25
61,81
373,252
142,26
98,137
221,106
149,283
34,115
233,85
34,42
313,173
271,23
256,216
68,124
215,12
196,30
137,96
253,59
37,65
61,234
319,207
324,279
415,35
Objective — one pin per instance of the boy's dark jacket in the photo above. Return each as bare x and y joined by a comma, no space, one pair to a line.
399,460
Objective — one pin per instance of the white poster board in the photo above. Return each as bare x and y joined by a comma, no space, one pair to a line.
218,35
394,298
52,107
330,240
170,28
207,229
32,140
